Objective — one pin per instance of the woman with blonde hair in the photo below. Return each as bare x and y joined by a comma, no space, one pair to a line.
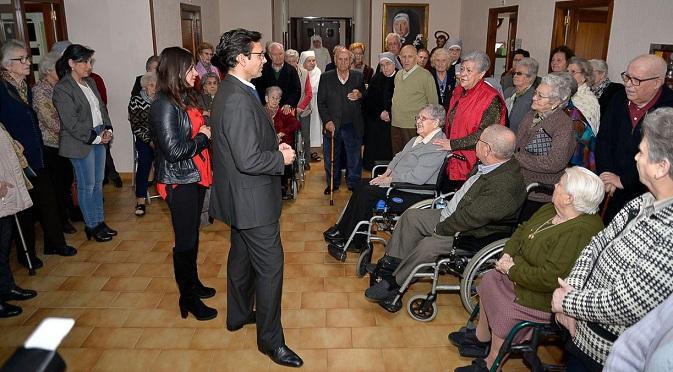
358,63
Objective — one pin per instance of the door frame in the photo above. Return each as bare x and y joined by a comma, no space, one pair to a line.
492,34
560,8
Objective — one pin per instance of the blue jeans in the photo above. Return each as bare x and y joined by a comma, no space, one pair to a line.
89,173
346,139
145,158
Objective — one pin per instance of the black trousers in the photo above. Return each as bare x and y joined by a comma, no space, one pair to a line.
6,278
255,279
363,200
44,210
110,169
61,176
185,203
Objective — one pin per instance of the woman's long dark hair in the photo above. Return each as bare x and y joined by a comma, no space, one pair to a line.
174,63
76,52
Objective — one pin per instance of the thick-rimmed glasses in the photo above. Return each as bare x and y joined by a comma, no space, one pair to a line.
519,73
260,55
539,96
634,81
23,59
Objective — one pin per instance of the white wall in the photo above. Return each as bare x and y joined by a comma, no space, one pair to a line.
443,15
635,24
321,8
249,14
120,33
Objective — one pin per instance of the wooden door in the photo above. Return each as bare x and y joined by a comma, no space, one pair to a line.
190,22
492,32
583,26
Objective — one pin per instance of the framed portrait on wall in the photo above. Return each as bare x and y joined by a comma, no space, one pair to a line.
409,21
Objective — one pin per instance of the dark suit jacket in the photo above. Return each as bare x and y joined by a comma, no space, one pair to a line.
520,108
246,162
288,81
332,98
73,108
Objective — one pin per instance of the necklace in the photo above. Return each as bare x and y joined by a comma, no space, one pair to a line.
546,225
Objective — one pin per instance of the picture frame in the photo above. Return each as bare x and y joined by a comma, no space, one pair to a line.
410,21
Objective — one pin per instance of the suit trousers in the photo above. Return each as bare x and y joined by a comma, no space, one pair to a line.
44,210
185,203
415,242
255,279
399,137
6,278
61,175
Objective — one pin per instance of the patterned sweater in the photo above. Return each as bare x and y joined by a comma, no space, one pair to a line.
620,276
139,111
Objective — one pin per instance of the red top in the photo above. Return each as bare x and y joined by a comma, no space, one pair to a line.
635,113
287,124
100,85
201,160
308,93
467,120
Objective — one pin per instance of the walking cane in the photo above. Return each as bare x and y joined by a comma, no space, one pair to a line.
331,170
31,270
604,209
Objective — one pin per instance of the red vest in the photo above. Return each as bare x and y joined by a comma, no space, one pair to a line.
471,107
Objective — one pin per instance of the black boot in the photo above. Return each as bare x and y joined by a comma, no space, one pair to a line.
189,301
199,289
384,268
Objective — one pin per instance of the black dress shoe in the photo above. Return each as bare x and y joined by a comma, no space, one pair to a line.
332,235
284,356
68,228
37,263
118,182
251,320
9,310
326,192
20,294
97,233
106,229
65,250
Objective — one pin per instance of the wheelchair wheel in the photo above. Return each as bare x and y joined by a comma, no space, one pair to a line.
364,260
480,264
294,189
422,309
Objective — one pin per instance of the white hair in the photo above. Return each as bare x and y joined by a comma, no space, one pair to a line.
585,187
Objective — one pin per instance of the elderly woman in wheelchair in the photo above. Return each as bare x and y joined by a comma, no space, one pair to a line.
418,164
541,250
494,192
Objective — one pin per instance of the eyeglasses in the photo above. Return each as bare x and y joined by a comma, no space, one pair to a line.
634,81
484,142
23,59
260,55
420,118
519,73
540,96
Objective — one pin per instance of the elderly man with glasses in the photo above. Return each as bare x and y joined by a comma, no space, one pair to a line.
621,130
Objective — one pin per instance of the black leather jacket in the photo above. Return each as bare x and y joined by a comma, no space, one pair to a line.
171,131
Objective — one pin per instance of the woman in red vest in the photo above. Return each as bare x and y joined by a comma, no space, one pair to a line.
474,106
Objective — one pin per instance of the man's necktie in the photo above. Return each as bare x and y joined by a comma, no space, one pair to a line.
253,92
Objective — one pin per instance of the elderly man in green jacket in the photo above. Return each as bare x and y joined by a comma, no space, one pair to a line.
494,192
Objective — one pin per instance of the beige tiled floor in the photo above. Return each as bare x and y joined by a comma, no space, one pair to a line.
124,300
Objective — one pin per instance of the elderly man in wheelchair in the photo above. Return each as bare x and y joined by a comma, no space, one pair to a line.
494,192
417,166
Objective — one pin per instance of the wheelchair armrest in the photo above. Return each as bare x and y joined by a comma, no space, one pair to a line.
378,163
379,167
412,186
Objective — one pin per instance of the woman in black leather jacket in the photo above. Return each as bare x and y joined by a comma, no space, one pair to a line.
183,171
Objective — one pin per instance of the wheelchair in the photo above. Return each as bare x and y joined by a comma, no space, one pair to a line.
468,261
384,220
297,177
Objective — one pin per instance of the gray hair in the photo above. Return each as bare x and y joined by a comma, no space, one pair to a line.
343,50
481,60
291,53
437,52
7,50
585,187
48,63
151,60
560,84
658,129
436,112
501,140
531,65
148,78
599,65
585,68
272,89
396,36
275,44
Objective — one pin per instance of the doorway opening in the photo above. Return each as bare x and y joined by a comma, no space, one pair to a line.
583,26
190,21
501,38
333,31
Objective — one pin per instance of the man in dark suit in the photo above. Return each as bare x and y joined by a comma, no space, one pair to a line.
278,73
247,165
339,105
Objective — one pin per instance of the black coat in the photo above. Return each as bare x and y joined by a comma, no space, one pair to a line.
450,84
288,81
333,101
608,94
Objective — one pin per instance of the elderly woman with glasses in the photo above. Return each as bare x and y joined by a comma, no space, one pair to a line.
519,97
541,250
601,86
417,163
474,106
545,140
18,117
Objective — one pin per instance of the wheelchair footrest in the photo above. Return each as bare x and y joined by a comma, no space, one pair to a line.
337,252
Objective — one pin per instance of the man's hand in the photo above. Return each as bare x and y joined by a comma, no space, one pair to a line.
560,294
354,95
329,126
385,116
4,188
567,321
287,109
444,144
205,130
288,153
19,145
611,182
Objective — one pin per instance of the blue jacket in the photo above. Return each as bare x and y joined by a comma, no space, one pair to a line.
21,122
